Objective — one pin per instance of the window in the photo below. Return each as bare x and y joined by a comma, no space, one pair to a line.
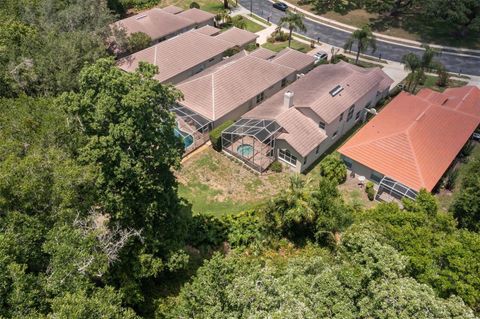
287,157
334,134
317,150
348,162
341,117
321,125
260,97
368,105
284,83
350,112
357,116
305,160
376,177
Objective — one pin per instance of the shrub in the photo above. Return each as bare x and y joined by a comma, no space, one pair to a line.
271,39
276,167
339,57
206,230
138,41
216,135
333,168
443,78
194,5
239,22
370,191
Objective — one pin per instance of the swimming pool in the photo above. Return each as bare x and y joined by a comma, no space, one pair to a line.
186,138
246,150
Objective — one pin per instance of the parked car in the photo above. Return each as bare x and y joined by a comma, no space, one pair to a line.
280,6
476,136
320,56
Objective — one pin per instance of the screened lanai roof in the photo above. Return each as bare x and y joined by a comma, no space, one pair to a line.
260,129
190,117
399,188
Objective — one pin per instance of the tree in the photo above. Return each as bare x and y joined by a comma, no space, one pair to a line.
293,22
194,5
391,7
129,138
419,66
138,41
462,15
239,22
364,39
411,63
333,168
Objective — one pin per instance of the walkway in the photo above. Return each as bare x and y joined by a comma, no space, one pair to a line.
454,62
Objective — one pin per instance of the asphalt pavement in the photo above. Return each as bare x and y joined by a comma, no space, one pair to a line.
456,63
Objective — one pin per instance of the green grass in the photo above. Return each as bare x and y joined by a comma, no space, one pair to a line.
252,26
431,83
253,16
279,46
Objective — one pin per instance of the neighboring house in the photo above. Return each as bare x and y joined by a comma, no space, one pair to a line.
241,38
209,30
414,140
162,24
226,91
181,57
302,121
294,59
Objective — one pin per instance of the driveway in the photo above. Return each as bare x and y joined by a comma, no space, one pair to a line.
388,50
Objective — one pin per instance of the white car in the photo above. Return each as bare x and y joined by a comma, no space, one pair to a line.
320,56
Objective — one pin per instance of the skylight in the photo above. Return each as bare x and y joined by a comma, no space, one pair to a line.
336,90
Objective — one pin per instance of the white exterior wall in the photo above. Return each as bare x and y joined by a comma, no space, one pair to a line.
361,170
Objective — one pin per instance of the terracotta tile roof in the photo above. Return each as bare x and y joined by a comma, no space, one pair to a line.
294,59
300,131
219,92
155,22
208,30
177,55
414,139
238,36
263,53
309,90
172,9
196,15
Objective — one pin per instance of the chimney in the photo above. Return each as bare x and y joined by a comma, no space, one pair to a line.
288,99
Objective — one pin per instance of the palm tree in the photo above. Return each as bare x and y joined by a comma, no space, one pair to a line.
292,21
412,64
418,66
364,39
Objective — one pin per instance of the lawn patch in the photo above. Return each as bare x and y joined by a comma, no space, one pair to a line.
279,46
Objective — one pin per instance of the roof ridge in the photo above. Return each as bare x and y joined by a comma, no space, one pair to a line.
372,140
414,153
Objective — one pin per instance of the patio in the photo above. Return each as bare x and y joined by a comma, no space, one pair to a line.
192,127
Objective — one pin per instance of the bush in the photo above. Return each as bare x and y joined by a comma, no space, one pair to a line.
333,168
206,230
370,191
339,57
194,5
443,78
276,167
216,135
138,41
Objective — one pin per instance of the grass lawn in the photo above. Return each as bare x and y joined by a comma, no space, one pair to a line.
252,26
215,184
279,46
431,80
213,6
255,17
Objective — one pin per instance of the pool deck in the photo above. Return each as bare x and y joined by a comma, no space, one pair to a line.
259,160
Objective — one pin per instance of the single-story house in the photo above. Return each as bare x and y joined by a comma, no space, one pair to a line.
209,30
241,38
161,24
180,57
304,119
226,91
414,140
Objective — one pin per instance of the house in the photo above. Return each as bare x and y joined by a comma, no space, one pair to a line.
209,30
300,122
180,57
227,90
161,24
241,38
414,140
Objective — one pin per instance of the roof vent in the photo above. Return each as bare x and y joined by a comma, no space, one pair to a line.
142,16
336,90
288,99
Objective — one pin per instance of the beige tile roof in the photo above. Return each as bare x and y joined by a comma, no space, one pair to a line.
172,9
294,59
301,132
208,30
155,22
222,91
238,36
312,92
177,55
263,53
196,15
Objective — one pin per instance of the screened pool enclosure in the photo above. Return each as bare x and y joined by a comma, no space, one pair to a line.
191,127
395,189
252,141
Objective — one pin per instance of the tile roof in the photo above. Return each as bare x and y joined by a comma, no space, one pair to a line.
294,59
219,92
172,9
155,22
263,53
414,139
208,30
177,55
312,92
238,36
196,15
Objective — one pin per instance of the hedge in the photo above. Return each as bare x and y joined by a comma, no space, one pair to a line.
216,135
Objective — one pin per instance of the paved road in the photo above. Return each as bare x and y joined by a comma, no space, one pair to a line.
389,51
